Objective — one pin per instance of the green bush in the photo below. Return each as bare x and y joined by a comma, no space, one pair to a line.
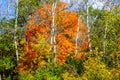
6,63
75,64
6,67
25,76
49,72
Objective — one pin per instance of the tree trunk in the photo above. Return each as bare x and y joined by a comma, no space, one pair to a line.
52,36
104,43
76,39
0,77
89,43
15,31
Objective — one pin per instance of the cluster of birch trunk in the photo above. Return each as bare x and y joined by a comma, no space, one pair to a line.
87,4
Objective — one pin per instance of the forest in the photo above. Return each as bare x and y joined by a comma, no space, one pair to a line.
57,40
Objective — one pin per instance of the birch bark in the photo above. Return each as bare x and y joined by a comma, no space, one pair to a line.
52,36
15,31
76,40
89,43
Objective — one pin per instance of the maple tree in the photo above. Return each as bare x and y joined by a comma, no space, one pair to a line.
65,29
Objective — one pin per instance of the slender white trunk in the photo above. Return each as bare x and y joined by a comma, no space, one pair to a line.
88,26
104,43
76,39
55,52
15,31
0,77
53,38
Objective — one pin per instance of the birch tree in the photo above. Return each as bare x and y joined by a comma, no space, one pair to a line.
15,31
52,34
80,36
76,39
107,5
88,26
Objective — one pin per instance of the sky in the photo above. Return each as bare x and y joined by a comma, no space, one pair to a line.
5,13
97,3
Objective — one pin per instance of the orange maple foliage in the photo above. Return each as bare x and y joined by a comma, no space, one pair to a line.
80,55
66,23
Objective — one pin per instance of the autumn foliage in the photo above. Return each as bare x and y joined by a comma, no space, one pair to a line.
66,23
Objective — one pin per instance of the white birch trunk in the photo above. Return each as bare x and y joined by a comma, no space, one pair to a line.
55,52
76,39
0,77
88,26
15,31
53,38
105,30
104,43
